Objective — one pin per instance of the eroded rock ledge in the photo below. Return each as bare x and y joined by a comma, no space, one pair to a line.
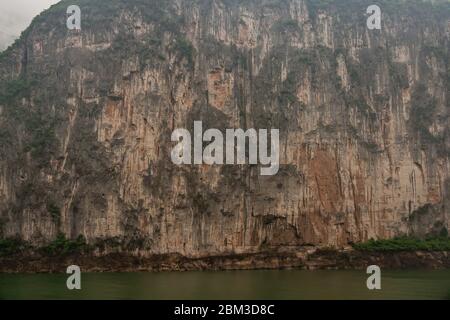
304,258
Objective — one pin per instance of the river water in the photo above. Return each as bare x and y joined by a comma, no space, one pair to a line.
282,284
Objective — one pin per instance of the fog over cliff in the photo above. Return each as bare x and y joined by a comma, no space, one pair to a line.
15,16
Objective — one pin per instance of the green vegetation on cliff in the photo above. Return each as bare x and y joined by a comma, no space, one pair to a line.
10,246
405,244
13,89
60,246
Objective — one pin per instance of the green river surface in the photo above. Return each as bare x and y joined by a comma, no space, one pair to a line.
280,284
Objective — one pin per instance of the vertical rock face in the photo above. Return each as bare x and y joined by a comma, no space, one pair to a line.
86,120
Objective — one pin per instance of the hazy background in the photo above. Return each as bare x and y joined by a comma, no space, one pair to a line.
16,15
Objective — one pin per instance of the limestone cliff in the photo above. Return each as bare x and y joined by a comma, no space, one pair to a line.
86,119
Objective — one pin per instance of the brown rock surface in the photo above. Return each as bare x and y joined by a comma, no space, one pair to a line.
86,120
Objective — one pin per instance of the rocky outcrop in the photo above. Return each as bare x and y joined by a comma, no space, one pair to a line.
86,120
305,258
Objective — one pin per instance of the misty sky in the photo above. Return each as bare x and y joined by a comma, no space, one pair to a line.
16,15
